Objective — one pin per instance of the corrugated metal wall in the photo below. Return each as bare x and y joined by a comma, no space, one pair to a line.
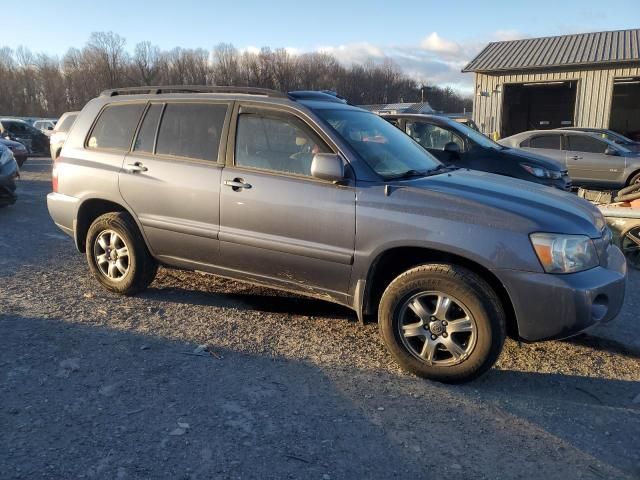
593,98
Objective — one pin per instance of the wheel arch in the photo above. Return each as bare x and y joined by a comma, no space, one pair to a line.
92,208
393,261
631,176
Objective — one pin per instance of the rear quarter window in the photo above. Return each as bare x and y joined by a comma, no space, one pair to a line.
115,127
550,142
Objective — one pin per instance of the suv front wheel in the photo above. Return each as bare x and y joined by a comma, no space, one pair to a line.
442,322
117,254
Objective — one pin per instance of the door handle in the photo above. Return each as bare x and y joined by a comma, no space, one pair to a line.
136,167
576,157
237,184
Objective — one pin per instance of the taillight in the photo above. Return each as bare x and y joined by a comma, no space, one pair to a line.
54,176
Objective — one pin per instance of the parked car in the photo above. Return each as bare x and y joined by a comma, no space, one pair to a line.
46,126
590,159
454,143
20,131
20,152
607,134
331,201
8,175
60,133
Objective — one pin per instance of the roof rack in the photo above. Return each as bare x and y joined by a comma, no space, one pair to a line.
191,89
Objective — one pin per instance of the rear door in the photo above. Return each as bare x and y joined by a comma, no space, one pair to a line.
547,144
171,179
277,222
586,155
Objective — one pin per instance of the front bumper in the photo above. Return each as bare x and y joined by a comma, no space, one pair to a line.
558,306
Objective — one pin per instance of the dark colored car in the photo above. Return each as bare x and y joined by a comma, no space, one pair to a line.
321,198
20,131
607,134
8,174
20,152
454,143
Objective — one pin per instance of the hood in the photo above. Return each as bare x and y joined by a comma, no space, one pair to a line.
508,202
534,159
10,143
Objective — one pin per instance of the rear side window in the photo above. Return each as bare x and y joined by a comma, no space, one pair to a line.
580,143
147,134
191,130
67,123
550,142
115,126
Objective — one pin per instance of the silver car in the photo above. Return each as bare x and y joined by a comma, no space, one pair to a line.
60,133
590,159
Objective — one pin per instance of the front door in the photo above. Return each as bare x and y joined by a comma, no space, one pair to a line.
277,222
586,157
171,180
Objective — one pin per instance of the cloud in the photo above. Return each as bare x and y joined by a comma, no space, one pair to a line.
358,52
435,43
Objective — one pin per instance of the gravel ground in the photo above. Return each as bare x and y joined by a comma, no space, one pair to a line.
93,385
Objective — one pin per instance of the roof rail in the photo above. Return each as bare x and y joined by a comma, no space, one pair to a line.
191,89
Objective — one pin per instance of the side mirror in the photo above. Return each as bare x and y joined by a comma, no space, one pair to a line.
611,151
452,147
327,166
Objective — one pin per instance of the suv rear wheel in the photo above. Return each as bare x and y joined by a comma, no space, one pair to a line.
117,254
442,322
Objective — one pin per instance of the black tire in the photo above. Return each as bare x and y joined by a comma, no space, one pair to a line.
20,162
635,180
464,287
142,267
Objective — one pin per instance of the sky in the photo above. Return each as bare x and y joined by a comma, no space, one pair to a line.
429,40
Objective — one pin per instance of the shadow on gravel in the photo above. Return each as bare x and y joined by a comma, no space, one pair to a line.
78,401
605,344
293,305
89,401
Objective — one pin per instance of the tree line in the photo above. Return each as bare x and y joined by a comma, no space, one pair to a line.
37,84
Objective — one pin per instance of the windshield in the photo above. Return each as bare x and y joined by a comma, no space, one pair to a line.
477,137
615,137
386,149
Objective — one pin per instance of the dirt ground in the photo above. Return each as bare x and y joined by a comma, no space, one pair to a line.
93,385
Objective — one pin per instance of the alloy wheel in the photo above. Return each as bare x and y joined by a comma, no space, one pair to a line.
437,328
111,254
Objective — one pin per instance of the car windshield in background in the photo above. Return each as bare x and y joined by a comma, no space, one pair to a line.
386,149
477,137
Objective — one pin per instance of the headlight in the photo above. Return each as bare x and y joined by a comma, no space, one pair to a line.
6,157
564,253
541,172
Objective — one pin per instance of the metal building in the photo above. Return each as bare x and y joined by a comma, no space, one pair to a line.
583,80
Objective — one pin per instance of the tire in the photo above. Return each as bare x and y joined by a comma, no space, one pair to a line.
635,180
139,266
632,192
20,162
472,301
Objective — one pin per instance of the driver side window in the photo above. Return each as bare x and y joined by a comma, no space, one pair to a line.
432,137
279,143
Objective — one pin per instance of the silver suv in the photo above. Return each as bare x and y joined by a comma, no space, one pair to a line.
305,193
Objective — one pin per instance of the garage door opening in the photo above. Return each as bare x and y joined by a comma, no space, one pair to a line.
537,106
625,107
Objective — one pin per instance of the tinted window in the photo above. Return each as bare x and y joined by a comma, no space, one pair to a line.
66,124
147,134
114,129
191,130
551,142
586,144
279,143
432,136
